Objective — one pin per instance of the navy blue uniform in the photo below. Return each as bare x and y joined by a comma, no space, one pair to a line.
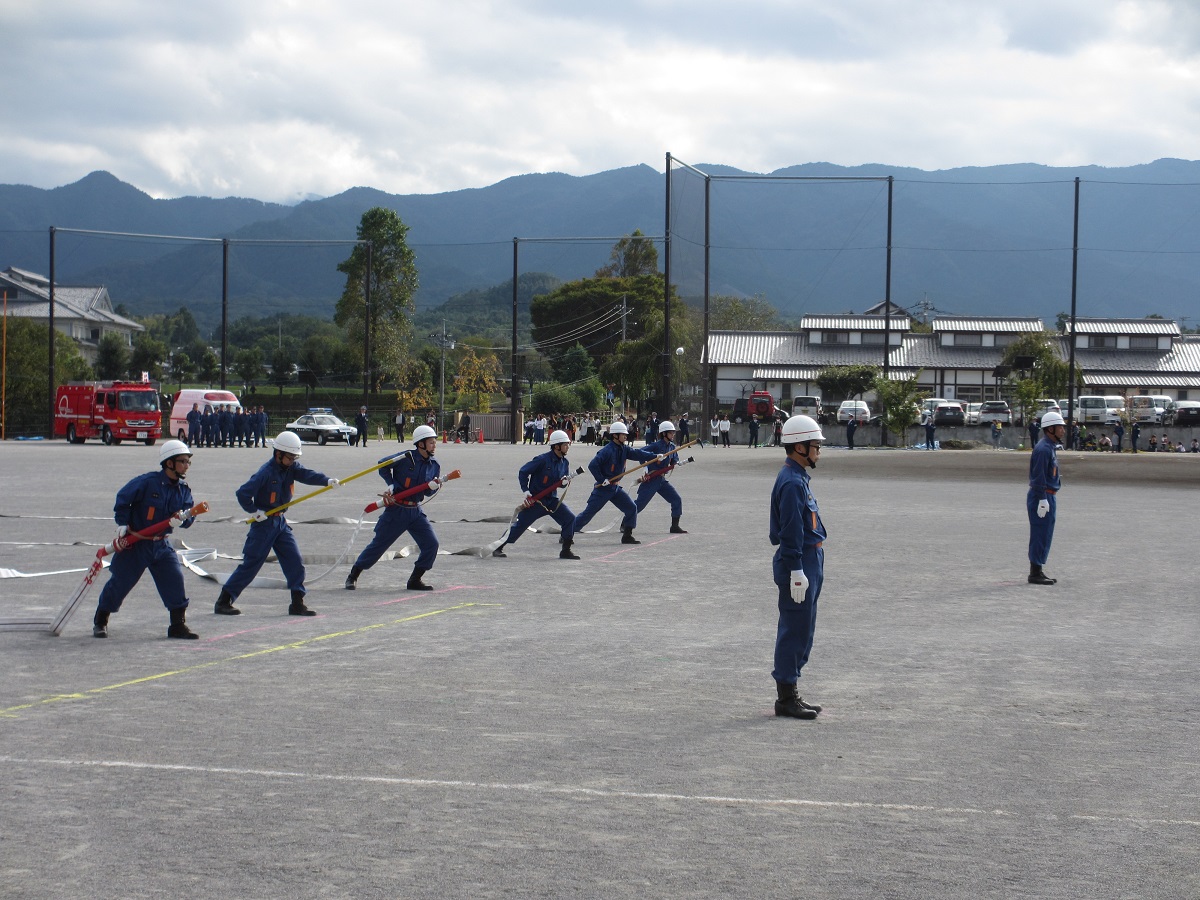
271,486
798,533
609,463
147,500
208,425
195,423
659,485
535,476
1044,483
408,470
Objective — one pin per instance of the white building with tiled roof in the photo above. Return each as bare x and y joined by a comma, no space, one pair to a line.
957,360
83,313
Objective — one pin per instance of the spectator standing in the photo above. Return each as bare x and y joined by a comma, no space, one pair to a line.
361,424
724,426
851,427
1134,436
997,434
714,429
753,429
930,433
685,429
195,425
398,421
1118,434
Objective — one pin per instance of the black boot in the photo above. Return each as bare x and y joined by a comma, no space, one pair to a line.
627,536
499,551
355,571
565,552
178,627
415,583
675,529
1037,576
224,605
100,624
790,705
298,608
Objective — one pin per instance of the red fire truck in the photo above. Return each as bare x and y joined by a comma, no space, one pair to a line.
113,411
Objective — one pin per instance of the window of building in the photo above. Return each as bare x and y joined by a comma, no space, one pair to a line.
1102,341
835,337
1003,340
1143,342
873,337
968,340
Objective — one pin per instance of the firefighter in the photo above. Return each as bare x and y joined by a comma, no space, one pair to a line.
1041,502
144,501
608,466
536,476
799,564
195,421
408,470
271,486
655,480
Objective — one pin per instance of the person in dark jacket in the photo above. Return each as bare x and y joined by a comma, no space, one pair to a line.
537,475
361,424
407,470
145,501
654,482
608,466
271,486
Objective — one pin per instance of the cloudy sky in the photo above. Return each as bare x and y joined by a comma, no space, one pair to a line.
280,99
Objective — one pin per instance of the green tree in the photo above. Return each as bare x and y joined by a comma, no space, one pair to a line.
574,365
112,357
1046,377
248,364
594,312
846,382
478,375
27,400
181,368
209,368
898,403
741,314
148,356
393,281
631,256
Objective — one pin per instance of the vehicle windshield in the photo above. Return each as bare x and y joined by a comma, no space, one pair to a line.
137,401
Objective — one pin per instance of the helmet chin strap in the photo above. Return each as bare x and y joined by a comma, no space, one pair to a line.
812,463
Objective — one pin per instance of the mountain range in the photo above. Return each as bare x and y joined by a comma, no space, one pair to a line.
809,239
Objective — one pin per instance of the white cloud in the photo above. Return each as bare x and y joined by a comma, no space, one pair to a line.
284,98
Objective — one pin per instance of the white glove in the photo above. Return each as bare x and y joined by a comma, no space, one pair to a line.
661,457
1043,507
528,500
799,585
333,482
434,484
566,480
259,516
122,530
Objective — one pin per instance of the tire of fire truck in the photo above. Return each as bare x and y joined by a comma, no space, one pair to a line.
72,437
106,436
149,442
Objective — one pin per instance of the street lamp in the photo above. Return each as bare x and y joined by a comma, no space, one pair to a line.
444,341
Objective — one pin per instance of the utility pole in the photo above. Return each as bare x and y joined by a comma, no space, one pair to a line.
444,341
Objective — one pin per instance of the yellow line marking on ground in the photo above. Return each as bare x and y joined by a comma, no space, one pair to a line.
10,712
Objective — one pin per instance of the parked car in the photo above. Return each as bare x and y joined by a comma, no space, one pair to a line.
1186,412
928,405
994,410
322,428
973,413
949,413
856,409
1154,408
806,406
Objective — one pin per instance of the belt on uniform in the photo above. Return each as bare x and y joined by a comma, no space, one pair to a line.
406,503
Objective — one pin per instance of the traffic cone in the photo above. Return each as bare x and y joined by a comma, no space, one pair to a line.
457,439
479,436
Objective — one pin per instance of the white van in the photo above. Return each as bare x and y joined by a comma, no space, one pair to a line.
1095,409
183,405
806,406
1150,408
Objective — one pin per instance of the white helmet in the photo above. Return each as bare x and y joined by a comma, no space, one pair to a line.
171,449
618,428
1052,418
798,429
288,442
559,437
423,432
666,425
